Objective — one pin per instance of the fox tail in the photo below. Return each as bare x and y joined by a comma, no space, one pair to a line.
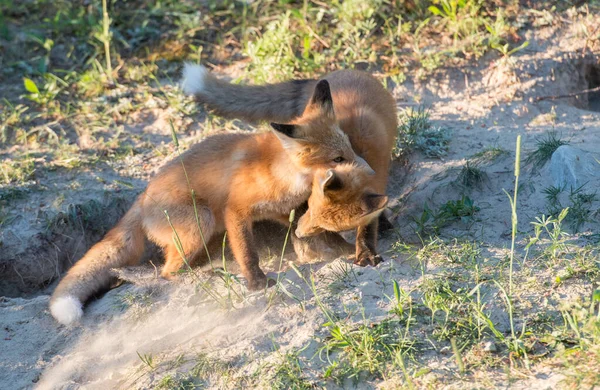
123,245
279,103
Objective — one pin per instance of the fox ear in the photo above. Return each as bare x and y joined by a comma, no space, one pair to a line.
373,202
289,130
331,182
322,98
287,135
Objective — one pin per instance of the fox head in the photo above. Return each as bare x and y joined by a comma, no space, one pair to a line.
315,138
340,200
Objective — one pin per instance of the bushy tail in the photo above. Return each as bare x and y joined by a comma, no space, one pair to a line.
123,245
272,102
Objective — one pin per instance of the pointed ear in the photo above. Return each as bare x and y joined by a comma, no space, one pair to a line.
322,98
287,135
289,130
373,202
331,182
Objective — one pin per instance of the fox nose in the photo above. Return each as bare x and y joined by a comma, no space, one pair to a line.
299,233
363,164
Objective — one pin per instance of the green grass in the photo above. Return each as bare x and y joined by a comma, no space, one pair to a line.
432,221
545,147
471,176
287,373
488,155
582,205
16,171
365,351
416,133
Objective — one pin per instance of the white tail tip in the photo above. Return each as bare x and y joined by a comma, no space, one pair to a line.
193,78
66,310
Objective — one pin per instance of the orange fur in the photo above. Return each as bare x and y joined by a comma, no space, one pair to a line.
362,107
340,200
237,179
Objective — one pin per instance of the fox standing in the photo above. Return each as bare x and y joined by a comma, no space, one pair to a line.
236,179
363,108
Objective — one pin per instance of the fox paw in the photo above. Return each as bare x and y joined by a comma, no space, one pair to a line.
260,282
368,259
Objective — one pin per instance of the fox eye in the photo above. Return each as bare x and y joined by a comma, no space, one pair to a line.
338,159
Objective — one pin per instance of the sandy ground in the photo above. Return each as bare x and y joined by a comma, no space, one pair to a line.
482,106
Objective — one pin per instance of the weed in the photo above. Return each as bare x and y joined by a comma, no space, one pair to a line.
506,51
580,207
11,117
497,30
91,82
422,254
583,262
205,371
272,55
579,339
545,147
342,277
462,19
463,209
364,350
355,24
130,299
578,202
552,194
471,176
488,155
402,303
105,37
147,359
514,218
513,343
417,133
170,382
288,373
285,242
16,171
206,366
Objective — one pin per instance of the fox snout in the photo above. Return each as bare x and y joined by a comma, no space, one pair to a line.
303,233
306,229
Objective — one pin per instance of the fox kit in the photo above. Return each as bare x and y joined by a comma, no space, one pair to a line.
364,110
340,200
236,179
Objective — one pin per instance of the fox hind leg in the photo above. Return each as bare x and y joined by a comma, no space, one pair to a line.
182,239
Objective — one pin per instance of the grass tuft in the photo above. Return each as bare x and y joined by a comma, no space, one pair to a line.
545,147
416,133
471,176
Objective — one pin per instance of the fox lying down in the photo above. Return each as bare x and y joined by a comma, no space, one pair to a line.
235,179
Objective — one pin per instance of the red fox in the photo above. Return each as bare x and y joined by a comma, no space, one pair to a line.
236,179
340,201
364,110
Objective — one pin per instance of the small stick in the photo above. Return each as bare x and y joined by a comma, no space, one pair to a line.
155,270
552,97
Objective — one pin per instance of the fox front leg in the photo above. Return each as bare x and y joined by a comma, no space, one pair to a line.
366,245
241,239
